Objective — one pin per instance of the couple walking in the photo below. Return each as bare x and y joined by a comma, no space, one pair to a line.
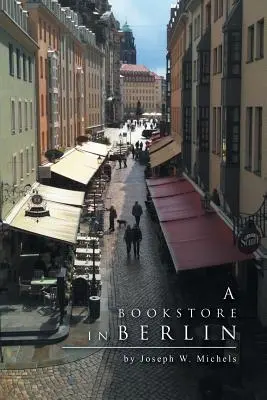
134,235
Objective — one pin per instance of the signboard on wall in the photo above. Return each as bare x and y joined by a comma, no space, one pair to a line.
249,238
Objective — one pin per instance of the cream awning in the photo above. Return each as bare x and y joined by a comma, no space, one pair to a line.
62,224
95,148
159,144
77,165
165,154
58,195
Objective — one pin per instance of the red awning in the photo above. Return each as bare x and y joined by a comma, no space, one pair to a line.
204,241
171,188
174,208
161,181
196,239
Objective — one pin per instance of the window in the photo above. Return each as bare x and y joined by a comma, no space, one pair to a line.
27,161
18,60
26,115
49,35
214,130
20,116
32,157
31,115
215,17
219,60
42,105
41,67
13,116
204,65
250,50
14,169
208,15
219,130
215,61
249,127
40,29
24,67
30,69
260,39
11,59
235,47
21,166
258,140
220,8
45,32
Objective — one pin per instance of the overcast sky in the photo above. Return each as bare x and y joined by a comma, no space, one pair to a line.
148,20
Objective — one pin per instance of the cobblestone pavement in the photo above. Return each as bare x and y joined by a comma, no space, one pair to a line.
140,284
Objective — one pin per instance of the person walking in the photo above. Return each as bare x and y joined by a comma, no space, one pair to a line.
141,146
137,145
137,238
124,161
128,237
133,151
112,217
137,211
120,160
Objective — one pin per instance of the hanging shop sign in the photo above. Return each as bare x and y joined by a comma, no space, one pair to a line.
249,239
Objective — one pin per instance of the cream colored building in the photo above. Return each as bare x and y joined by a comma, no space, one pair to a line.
139,84
224,80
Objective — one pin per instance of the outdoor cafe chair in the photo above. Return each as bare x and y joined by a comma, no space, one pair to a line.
50,296
24,286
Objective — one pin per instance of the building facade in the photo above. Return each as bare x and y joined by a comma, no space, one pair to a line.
176,36
128,49
139,84
18,105
223,116
69,66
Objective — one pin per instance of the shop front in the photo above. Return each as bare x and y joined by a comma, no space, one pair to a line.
165,157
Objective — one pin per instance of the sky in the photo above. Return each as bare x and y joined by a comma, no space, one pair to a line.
148,20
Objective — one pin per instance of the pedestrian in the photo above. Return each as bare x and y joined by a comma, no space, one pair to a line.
128,237
128,127
145,126
137,211
137,238
137,145
119,159
112,217
124,161
141,146
133,151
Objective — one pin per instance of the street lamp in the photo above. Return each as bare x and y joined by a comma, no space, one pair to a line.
99,160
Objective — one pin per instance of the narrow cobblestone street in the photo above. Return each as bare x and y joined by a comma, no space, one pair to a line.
142,284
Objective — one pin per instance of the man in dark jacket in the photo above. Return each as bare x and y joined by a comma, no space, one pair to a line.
112,217
137,211
137,238
128,237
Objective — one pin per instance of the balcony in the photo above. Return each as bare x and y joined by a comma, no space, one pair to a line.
14,10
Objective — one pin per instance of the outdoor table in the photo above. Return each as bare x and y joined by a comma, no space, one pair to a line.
87,238
85,270
85,276
81,250
86,245
86,263
44,282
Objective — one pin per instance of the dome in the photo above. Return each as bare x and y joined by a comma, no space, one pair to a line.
126,28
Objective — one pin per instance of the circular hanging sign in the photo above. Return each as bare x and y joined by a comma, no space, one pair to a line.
249,239
36,199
